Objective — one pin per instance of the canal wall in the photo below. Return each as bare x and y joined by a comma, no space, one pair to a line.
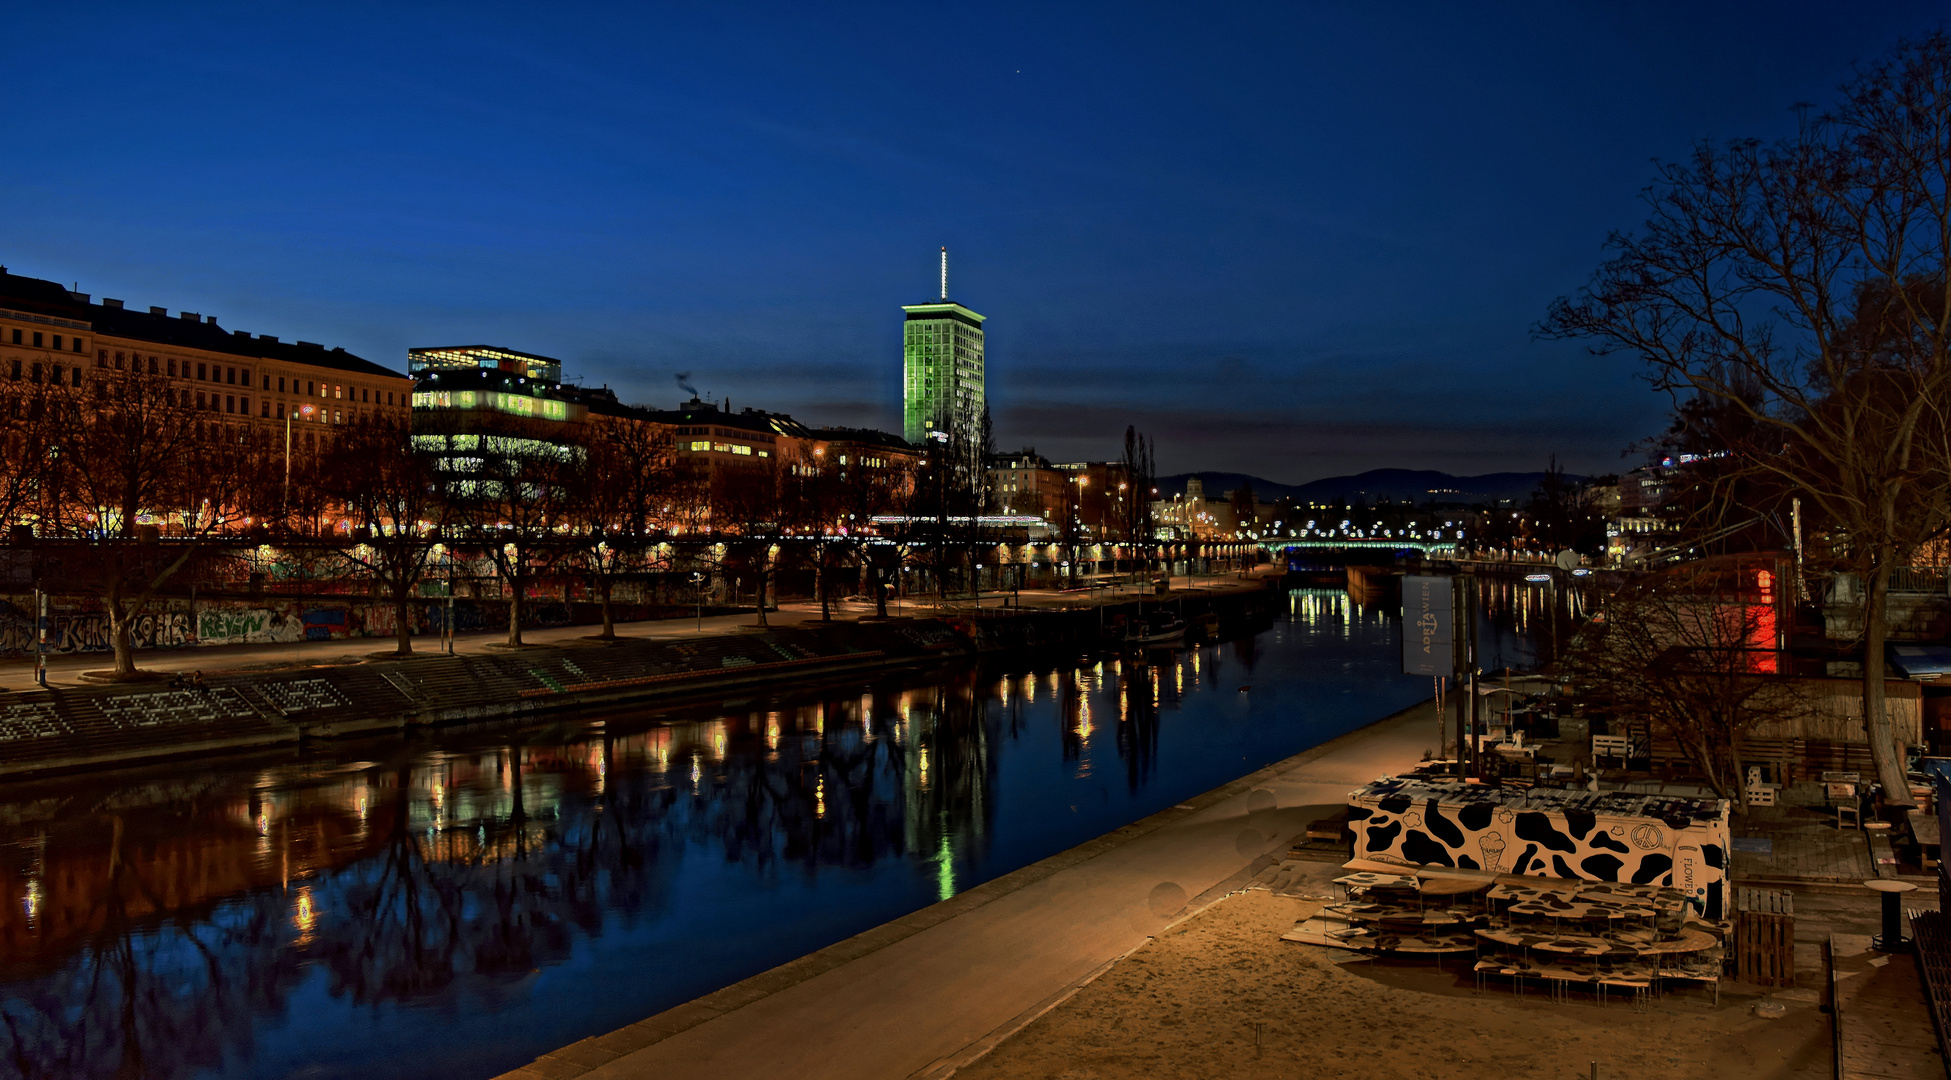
80,624
96,726
68,729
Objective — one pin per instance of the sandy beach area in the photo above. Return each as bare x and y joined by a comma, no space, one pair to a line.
1219,994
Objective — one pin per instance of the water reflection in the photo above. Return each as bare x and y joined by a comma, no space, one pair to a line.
411,915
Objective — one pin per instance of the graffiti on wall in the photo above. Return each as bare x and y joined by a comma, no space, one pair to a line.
173,626
71,631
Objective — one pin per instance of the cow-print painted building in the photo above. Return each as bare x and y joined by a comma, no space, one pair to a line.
1610,836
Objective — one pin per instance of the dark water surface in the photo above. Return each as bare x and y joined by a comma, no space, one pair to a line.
477,899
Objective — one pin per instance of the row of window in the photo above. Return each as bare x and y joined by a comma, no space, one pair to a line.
58,347
240,376
738,449
55,376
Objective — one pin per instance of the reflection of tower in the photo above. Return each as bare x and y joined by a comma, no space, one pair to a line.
949,806
942,367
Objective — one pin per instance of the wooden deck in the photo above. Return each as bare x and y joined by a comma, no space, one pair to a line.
1887,1032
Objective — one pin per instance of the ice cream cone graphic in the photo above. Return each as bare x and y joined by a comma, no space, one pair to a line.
1492,845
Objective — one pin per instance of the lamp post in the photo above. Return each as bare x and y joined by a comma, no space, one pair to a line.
40,636
289,416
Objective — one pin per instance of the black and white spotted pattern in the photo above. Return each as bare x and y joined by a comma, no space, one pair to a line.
1678,843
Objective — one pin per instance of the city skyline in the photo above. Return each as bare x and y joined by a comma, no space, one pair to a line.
1293,244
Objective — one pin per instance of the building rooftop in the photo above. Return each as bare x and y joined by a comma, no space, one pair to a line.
490,357
185,329
1408,792
944,309
705,412
864,437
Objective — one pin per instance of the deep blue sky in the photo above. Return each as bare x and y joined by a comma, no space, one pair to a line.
1285,239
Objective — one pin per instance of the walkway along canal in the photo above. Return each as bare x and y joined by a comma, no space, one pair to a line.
459,905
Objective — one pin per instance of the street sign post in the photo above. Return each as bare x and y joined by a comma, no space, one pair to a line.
1428,626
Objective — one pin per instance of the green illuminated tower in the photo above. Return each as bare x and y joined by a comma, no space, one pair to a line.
941,351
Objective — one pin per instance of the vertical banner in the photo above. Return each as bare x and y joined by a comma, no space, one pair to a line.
1427,622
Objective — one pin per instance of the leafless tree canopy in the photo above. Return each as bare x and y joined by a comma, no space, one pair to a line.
1679,652
1802,285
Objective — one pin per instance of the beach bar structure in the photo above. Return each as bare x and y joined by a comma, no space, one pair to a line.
1612,836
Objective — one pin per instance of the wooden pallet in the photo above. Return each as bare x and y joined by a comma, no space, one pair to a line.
1764,937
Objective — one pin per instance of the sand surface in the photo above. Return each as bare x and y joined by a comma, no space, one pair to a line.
1191,1003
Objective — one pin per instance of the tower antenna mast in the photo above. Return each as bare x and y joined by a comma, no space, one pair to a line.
944,273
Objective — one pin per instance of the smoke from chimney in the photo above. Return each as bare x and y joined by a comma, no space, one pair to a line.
684,383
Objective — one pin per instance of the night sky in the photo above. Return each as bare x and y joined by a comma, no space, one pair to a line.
1292,240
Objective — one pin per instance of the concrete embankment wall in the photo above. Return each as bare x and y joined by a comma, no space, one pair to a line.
90,727
50,730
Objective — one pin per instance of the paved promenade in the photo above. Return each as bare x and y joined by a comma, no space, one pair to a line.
66,670
930,991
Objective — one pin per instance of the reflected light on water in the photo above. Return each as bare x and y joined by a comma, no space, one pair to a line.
944,870
304,917
596,853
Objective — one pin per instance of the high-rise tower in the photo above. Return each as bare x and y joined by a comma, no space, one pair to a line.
941,350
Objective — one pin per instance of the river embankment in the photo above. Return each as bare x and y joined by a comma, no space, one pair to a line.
116,724
124,723
931,991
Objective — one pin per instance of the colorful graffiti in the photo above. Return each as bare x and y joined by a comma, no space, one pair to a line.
88,631
213,623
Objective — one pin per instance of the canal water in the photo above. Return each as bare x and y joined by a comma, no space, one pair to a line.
459,906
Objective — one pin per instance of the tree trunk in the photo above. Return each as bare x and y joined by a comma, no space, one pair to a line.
1876,717
603,599
120,634
402,618
758,590
819,585
514,611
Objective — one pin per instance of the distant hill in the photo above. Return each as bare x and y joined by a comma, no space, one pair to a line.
1396,485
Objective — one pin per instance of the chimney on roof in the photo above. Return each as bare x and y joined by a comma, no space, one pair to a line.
311,345
116,304
211,319
268,337
154,310
241,333
189,316
80,297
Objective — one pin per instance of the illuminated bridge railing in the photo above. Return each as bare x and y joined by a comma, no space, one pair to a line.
1424,547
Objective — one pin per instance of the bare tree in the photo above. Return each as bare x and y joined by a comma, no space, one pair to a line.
1686,652
1141,471
1804,284
148,477
32,414
514,504
746,510
392,495
624,483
